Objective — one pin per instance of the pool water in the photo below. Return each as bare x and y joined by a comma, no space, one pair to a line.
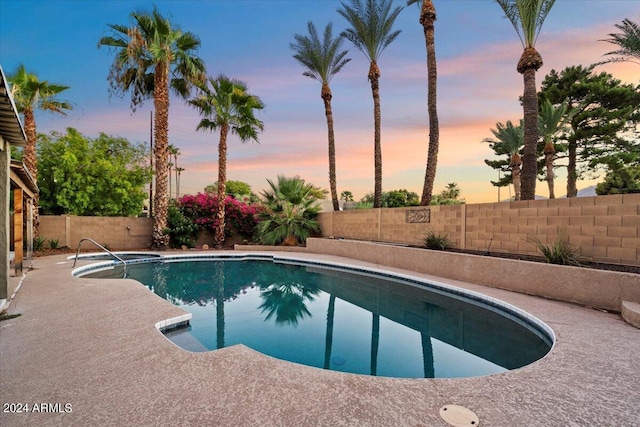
339,320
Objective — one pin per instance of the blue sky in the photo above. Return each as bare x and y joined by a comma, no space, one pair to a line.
477,50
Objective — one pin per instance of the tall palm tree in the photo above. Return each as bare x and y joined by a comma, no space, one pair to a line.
527,17
323,60
173,151
152,55
226,105
371,32
509,140
178,173
552,120
427,19
31,94
628,42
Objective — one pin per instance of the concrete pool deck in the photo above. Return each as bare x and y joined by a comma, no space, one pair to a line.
93,344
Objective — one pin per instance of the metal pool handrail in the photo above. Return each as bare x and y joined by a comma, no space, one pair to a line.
101,247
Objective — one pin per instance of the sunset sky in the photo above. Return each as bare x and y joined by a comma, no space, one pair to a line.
478,85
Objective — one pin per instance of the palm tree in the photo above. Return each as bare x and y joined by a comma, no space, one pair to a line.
225,104
509,140
527,17
628,42
451,191
291,207
323,60
371,32
152,56
173,152
31,94
552,120
178,173
427,19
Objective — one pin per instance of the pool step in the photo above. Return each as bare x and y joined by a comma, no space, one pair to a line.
631,313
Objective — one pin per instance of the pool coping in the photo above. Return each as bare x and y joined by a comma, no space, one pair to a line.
591,374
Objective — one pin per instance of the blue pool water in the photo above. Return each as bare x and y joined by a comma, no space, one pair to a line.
340,320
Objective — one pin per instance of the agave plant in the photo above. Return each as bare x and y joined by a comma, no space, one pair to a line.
291,208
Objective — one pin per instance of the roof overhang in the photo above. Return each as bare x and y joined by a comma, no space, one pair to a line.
20,177
10,126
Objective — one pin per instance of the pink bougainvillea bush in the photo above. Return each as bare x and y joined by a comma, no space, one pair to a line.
240,215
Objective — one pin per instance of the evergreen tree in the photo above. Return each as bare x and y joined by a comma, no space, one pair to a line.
604,112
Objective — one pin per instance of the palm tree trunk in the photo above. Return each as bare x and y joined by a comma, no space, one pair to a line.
29,153
374,78
529,63
549,152
572,175
222,185
30,160
427,18
161,104
529,161
515,174
326,96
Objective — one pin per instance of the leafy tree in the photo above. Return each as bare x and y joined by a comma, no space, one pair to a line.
628,42
552,121
604,113
182,230
291,208
226,105
323,60
236,189
527,17
427,19
153,55
371,32
401,198
623,180
104,176
392,199
508,140
31,94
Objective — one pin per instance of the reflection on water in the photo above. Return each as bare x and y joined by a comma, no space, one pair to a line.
338,320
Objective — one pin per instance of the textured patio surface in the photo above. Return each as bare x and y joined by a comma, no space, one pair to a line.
92,344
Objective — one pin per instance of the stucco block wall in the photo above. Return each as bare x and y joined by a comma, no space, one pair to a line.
603,228
116,233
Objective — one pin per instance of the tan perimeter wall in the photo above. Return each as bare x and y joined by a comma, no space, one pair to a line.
604,228
115,233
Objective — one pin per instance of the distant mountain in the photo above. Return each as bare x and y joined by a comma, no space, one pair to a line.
585,192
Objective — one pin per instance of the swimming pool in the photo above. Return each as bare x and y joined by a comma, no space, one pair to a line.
339,317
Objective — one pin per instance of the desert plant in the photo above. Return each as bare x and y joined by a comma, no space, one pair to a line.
38,243
560,251
437,241
54,243
290,212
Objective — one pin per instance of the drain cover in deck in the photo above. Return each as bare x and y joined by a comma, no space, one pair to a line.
459,416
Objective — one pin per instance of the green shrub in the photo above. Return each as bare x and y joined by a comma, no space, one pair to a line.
38,243
436,241
182,230
559,252
54,243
